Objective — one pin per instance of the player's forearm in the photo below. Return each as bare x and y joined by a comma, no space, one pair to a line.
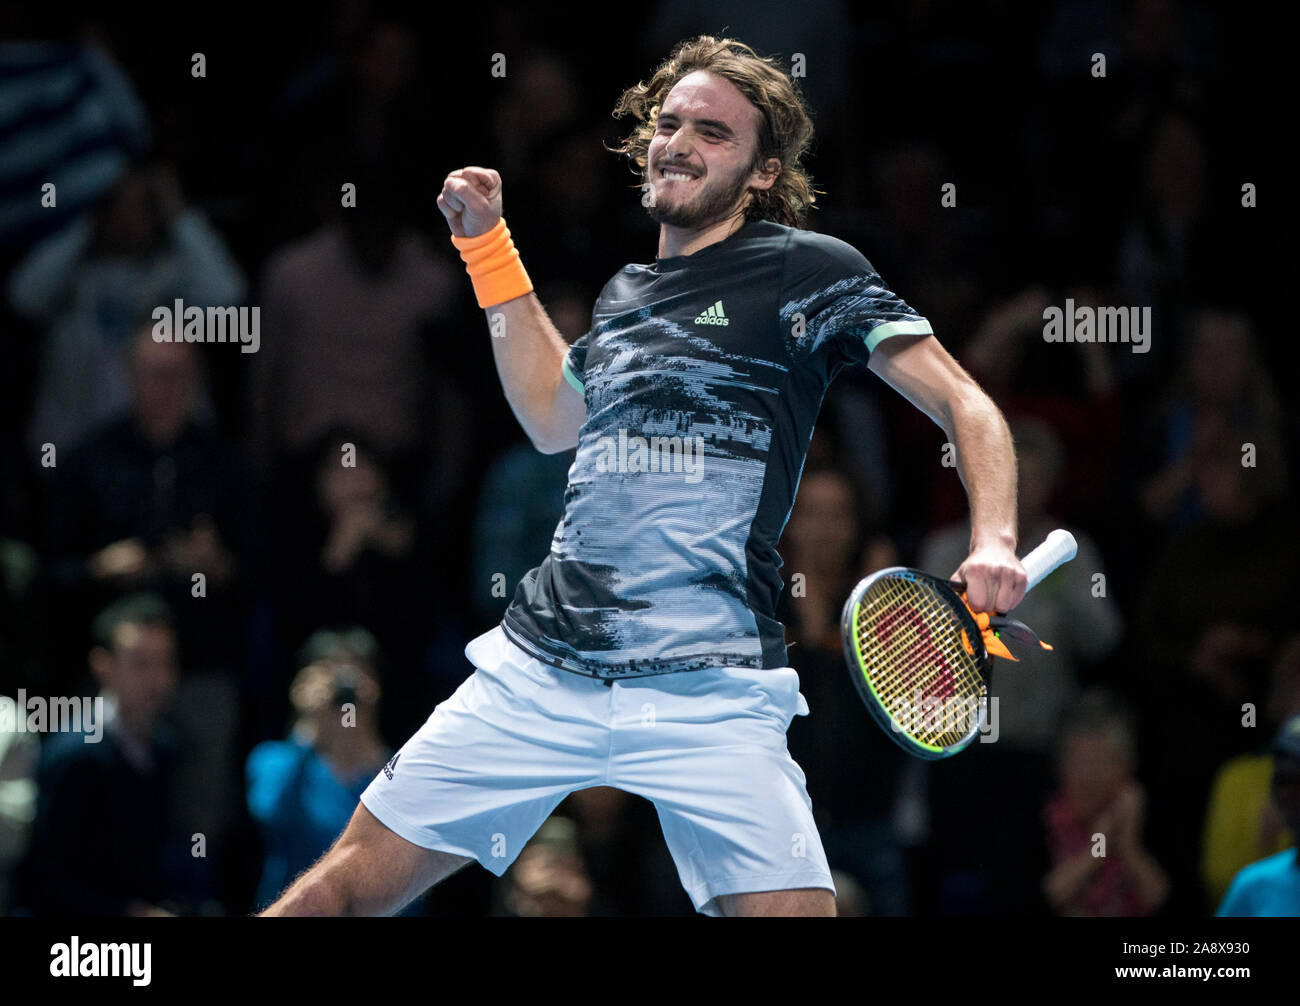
986,462
529,354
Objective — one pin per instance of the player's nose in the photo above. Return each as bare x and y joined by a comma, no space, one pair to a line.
678,147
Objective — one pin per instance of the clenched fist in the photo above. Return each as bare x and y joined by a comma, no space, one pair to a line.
995,579
471,201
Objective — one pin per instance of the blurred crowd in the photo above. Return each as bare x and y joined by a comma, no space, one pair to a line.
268,564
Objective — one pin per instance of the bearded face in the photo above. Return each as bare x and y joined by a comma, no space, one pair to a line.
702,158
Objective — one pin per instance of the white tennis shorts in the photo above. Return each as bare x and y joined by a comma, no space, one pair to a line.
706,747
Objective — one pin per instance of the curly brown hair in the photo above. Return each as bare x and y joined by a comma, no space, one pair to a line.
785,133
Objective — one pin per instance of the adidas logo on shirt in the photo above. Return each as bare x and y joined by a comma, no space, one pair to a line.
713,316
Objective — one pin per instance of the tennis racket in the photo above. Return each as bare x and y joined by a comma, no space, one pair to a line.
922,659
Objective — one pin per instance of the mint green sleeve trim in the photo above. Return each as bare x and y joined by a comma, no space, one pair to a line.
882,332
575,382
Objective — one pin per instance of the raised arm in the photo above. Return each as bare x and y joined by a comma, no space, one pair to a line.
530,354
528,350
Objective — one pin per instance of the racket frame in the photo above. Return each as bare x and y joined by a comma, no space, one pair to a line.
948,593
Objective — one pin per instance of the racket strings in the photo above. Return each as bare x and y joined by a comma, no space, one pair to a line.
915,660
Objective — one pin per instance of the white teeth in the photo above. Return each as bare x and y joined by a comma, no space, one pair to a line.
678,176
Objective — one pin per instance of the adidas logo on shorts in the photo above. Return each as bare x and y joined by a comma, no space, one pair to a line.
713,316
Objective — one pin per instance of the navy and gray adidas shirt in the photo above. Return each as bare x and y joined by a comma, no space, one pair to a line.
703,376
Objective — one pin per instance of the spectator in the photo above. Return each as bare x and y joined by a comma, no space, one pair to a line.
1224,382
1271,887
1069,386
348,338
1094,822
1246,545
149,502
354,557
303,790
1202,653
82,146
1242,823
154,496
106,840
1169,248
93,281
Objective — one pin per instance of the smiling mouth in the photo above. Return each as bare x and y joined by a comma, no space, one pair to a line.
674,175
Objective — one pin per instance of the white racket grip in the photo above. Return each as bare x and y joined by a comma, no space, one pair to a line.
1059,547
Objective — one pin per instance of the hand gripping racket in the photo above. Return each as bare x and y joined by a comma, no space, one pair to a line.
922,659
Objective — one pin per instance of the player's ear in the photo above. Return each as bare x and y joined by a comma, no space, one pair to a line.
766,173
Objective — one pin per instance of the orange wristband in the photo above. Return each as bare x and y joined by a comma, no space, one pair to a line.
492,262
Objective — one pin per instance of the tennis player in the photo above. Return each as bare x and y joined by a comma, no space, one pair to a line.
643,652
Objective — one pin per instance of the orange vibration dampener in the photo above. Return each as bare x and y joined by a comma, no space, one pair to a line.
991,625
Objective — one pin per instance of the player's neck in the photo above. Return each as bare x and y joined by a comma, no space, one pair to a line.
675,241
